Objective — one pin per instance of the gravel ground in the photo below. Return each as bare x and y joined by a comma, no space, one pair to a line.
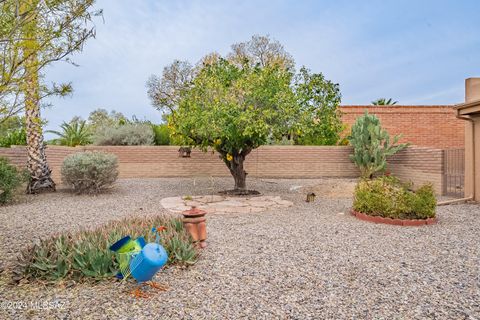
303,262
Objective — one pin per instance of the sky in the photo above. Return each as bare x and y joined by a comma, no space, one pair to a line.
416,52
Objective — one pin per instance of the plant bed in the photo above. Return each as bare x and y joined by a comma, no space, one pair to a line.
85,255
387,200
393,221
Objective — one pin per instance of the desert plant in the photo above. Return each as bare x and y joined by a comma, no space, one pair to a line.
85,254
371,145
10,179
89,172
388,197
129,134
74,133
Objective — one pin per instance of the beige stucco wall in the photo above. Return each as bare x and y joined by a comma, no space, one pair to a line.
472,142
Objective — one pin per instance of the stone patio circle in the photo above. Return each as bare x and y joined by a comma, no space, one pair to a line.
224,204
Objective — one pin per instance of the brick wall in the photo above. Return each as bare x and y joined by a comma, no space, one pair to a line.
427,126
417,164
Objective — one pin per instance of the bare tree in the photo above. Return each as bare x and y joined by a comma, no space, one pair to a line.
262,51
164,91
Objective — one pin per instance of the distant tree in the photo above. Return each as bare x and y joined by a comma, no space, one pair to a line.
319,120
262,51
12,123
164,92
384,102
101,118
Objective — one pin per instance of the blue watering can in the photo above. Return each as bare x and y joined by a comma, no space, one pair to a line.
138,259
148,262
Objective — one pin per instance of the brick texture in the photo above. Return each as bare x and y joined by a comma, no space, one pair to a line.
425,126
416,164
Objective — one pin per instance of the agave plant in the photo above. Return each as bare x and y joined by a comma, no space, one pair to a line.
384,102
74,133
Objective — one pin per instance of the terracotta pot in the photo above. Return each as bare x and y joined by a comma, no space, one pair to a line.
195,222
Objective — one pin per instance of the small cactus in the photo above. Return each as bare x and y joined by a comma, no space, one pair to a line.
371,145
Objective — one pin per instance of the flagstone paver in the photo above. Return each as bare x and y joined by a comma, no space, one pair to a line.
225,204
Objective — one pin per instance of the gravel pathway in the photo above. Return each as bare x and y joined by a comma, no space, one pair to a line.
303,262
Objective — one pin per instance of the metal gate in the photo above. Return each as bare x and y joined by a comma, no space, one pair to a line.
454,172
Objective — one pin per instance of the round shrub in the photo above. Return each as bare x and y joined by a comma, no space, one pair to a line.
90,172
388,197
10,179
129,134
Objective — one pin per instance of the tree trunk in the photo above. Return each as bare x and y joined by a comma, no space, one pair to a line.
40,173
235,165
238,173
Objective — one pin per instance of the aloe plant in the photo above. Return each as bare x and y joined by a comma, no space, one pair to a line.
85,254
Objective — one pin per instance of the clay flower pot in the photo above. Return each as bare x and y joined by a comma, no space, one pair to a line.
195,222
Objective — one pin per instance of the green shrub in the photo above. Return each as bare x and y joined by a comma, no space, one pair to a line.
16,137
10,179
388,197
371,145
423,204
90,172
162,134
85,255
129,134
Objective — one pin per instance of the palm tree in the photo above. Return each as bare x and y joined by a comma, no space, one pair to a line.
43,32
384,102
75,133
40,173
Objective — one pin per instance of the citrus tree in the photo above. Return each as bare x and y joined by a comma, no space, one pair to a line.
235,110
250,98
